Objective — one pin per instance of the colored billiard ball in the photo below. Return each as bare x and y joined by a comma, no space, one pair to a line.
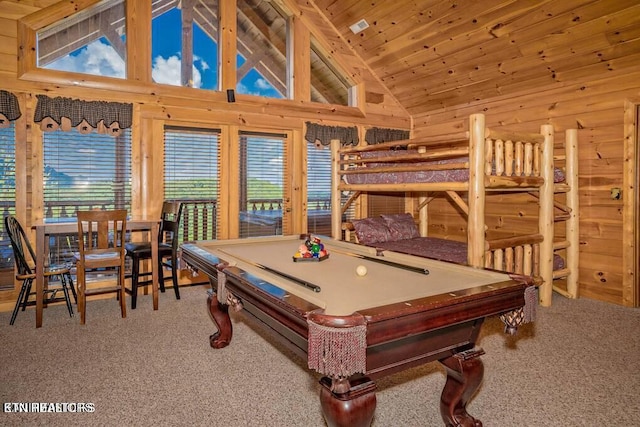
361,270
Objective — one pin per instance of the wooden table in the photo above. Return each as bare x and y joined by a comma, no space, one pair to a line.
52,228
353,329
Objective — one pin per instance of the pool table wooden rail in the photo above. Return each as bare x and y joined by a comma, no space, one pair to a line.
407,318
287,316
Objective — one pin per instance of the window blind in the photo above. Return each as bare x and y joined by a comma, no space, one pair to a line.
191,158
318,189
7,201
261,184
86,171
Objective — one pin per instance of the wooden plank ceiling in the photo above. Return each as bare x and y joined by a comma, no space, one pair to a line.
440,53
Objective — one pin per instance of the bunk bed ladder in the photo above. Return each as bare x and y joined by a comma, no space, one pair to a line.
568,212
545,220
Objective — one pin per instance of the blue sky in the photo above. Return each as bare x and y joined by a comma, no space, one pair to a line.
166,46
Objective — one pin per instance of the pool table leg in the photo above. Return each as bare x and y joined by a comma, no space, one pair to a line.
348,403
464,375
220,315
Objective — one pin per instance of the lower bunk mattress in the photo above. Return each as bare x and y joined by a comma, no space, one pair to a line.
440,249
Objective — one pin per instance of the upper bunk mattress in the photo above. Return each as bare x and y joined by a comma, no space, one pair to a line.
426,176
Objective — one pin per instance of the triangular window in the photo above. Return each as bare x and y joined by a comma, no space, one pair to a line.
92,41
327,84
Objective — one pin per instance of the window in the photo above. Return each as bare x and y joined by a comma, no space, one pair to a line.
7,201
191,176
262,46
184,40
261,184
92,41
327,84
318,189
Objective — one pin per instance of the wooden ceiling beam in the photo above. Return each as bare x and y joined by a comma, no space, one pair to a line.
186,63
110,33
249,63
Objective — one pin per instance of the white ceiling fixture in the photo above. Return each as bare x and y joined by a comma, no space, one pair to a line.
361,25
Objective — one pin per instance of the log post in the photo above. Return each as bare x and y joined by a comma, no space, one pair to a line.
336,215
571,175
476,225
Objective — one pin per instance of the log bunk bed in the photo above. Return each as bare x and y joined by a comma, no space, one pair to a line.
474,163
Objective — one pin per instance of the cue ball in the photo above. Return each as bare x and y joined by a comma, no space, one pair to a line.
361,270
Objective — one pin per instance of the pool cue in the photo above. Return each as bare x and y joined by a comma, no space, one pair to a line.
308,285
420,270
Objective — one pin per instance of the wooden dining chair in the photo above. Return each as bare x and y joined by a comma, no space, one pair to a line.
101,237
25,258
168,237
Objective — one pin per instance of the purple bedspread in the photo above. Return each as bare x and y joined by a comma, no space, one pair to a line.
450,175
440,249
429,247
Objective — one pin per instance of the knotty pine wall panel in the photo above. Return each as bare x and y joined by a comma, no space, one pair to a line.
596,108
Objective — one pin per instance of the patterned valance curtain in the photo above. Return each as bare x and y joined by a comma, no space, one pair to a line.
9,108
322,135
66,113
377,135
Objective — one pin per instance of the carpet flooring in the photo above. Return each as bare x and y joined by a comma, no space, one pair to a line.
577,365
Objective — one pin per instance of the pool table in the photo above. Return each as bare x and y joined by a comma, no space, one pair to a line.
351,328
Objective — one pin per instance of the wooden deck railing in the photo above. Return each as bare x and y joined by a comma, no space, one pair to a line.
199,221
